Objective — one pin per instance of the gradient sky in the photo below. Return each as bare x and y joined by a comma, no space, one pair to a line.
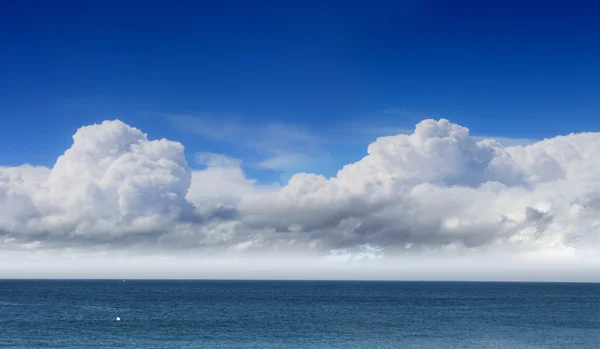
270,101
346,72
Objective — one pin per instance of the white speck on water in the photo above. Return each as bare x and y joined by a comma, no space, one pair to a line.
118,318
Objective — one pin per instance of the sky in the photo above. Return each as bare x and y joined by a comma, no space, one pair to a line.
340,133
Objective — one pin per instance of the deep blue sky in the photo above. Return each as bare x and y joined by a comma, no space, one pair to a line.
338,73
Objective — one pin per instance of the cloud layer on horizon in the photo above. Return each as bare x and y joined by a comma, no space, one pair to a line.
437,190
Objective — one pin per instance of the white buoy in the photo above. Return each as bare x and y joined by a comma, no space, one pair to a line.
118,318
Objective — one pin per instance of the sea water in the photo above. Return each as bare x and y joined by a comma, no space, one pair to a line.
297,314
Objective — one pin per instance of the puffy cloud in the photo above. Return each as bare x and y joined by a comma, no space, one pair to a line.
437,190
222,183
113,182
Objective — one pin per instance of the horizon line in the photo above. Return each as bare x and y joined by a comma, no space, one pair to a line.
304,280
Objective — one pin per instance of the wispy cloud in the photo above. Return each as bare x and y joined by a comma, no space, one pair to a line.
216,127
218,160
286,161
280,147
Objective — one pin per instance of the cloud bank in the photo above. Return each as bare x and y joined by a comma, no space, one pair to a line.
435,192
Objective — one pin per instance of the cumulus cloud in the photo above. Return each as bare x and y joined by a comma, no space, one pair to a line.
437,190
222,183
112,183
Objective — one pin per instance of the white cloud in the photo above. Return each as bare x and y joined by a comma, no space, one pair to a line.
217,160
112,182
438,189
285,162
222,183
435,192
507,141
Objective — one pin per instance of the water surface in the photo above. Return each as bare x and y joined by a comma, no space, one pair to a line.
297,314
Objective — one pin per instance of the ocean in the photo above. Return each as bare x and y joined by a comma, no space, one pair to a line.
297,314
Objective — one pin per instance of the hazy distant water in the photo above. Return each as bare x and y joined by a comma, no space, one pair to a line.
265,314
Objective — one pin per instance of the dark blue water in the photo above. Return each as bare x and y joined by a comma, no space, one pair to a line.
286,314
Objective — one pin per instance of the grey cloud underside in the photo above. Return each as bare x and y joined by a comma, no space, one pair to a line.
437,190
